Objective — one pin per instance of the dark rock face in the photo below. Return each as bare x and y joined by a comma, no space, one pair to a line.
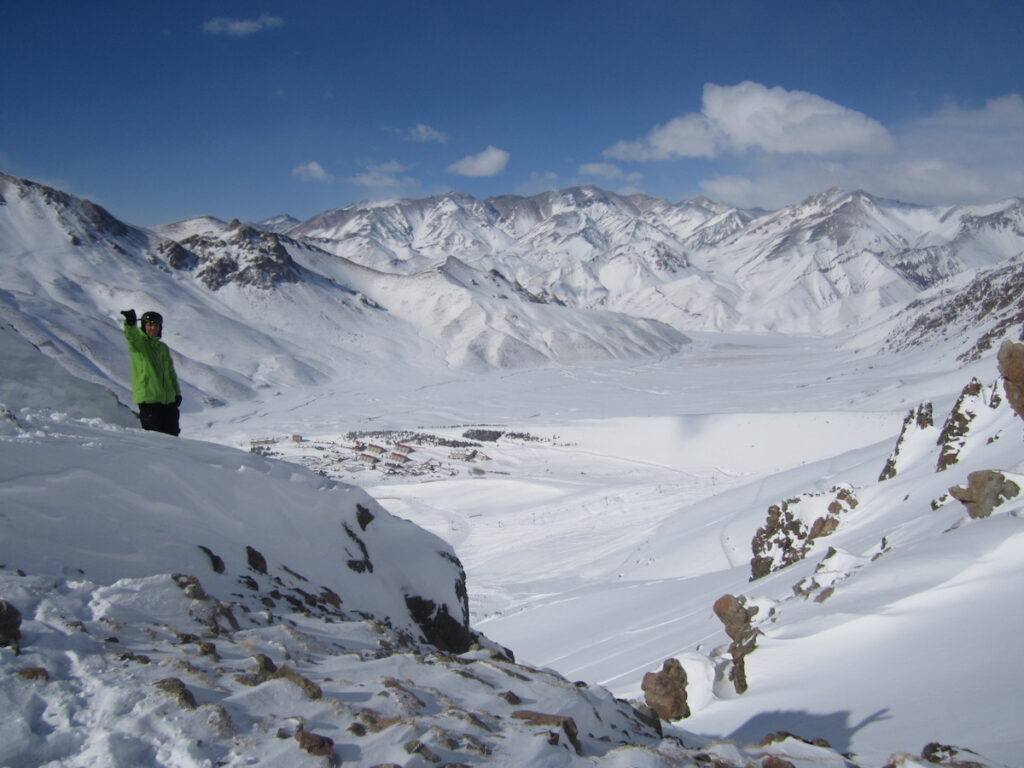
178,257
10,626
665,691
990,306
256,560
440,628
958,424
985,491
248,257
1011,368
917,419
737,617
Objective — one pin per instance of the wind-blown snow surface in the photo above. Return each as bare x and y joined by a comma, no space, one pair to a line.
596,548
188,604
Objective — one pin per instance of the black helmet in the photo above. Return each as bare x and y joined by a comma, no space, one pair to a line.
153,317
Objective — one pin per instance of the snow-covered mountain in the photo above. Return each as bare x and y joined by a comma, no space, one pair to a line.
579,274
824,265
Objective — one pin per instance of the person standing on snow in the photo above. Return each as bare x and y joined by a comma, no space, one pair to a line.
154,383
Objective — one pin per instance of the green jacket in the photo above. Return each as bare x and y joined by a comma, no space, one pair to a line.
153,377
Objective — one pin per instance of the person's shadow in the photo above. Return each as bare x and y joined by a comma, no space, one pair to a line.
835,728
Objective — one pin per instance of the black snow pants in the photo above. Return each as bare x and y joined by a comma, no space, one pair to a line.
159,417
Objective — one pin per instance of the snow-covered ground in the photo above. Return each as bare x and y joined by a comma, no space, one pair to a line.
598,534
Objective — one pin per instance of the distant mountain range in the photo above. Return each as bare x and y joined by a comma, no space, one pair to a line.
449,280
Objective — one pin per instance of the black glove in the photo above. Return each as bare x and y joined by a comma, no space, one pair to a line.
177,401
129,316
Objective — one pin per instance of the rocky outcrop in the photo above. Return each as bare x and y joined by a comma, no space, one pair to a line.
958,424
1011,368
793,525
937,754
665,691
916,421
247,257
985,491
562,724
737,618
987,309
440,628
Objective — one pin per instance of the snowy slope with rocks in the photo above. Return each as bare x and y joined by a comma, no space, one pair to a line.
168,602
755,510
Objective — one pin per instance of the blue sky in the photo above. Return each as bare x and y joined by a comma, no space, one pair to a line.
162,111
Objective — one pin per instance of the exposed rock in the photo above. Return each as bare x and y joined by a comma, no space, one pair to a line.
774,761
737,618
314,743
256,560
267,670
944,754
10,626
178,257
361,564
917,419
785,538
216,562
439,627
1011,368
417,747
177,690
34,673
566,724
992,305
408,702
780,736
190,586
647,716
665,691
247,257
958,424
363,516
985,491
783,531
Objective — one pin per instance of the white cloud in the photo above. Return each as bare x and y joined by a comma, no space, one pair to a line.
383,175
687,136
241,27
423,133
734,119
749,115
490,162
311,171
608,171
956,155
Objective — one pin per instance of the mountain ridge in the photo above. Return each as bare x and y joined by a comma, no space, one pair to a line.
452,281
